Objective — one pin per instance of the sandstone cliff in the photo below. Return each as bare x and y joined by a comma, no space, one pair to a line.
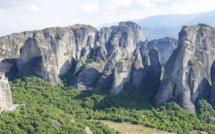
119,59
188,71
109,57
5,93
165,47
48,52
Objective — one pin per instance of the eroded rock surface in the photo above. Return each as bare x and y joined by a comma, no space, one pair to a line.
5,93
107,58
188,71
165,47
49,52
120,43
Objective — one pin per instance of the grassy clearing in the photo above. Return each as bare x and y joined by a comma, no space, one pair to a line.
127,128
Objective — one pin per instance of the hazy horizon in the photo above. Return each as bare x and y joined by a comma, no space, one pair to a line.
25,15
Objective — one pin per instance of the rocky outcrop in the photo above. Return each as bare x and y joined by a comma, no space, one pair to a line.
136,29
154,67
121,42
49,52
121,74
212,95
139,71
120,59
148,65
188,71
106,58
88,76
8,66
165,47
5,93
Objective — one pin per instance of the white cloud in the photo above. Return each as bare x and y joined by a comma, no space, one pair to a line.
90,7
93,12
123,3
143,3
109,10
33,8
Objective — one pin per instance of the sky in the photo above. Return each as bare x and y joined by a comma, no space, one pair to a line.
25,15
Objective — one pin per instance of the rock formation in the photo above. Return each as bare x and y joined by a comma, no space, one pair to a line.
87,76
139,71
165,47
109,57
118,60
188,71
5,93
49,52
148,65
120,43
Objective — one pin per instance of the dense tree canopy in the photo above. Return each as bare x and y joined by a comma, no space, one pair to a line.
43,103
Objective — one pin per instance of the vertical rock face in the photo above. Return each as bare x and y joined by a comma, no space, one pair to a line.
107,58
8,66
154,68
118,60
188,71
165,46
120,43
148,65
5,93
48,52
85,37
136,29
87,77
10,45
139,71
212,95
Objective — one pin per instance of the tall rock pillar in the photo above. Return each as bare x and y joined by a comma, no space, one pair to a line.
5,93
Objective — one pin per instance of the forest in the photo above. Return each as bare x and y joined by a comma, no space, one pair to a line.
61,109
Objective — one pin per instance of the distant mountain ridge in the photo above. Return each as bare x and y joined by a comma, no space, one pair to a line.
160,26
172,20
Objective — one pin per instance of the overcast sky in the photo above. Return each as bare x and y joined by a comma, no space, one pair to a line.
21,15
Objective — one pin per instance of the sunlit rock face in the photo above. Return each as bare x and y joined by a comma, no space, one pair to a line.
49,52
5,93
165,47
117,60
188,71
106,58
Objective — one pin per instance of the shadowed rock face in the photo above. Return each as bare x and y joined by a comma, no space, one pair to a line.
154,68
49,52
188,71
88,76
148,65
119,60
213,85
8,66
120,42
139,71
114,53
165,47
